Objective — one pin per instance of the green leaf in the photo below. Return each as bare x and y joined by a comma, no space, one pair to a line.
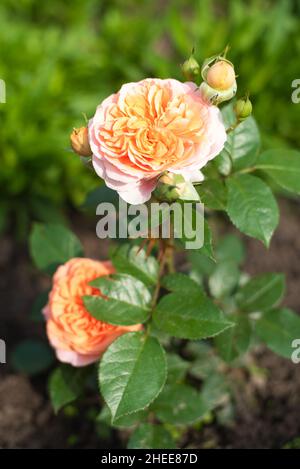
243,143
45,211
278,329
32,357
189,316
133,372
214,390
126,303
98,195
230,248
228,114
187,230
261,293
179,282
130,420
51,245
179,404
224,279
205,361
283,166
252,207
223,163
177,367
201,263
213,194
65,385
134,261
207,248
235,341
148,436
126,421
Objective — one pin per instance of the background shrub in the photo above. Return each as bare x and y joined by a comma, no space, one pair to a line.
60,59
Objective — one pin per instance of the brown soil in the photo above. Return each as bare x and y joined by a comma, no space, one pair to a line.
267,410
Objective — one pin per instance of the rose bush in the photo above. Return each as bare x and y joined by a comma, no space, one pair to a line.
159,374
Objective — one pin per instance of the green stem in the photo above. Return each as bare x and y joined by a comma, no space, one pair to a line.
170,253
166,259
163,261
233,126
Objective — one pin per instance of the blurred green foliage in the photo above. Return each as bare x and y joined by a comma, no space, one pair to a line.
59,59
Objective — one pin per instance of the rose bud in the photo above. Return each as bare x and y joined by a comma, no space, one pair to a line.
80,141
190,68
243,108
171,187
219,80
221,76
166,190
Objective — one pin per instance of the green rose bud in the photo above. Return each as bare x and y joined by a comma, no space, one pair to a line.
190,68
172,187
243,108
166,190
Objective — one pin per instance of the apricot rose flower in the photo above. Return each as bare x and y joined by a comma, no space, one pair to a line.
151,127
77,337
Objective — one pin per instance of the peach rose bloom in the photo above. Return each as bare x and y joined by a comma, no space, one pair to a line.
150,127
77,337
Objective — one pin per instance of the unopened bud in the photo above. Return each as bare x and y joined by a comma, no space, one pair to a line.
243,108
166,190
219,80
172,187
221,75
80,141
190,68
